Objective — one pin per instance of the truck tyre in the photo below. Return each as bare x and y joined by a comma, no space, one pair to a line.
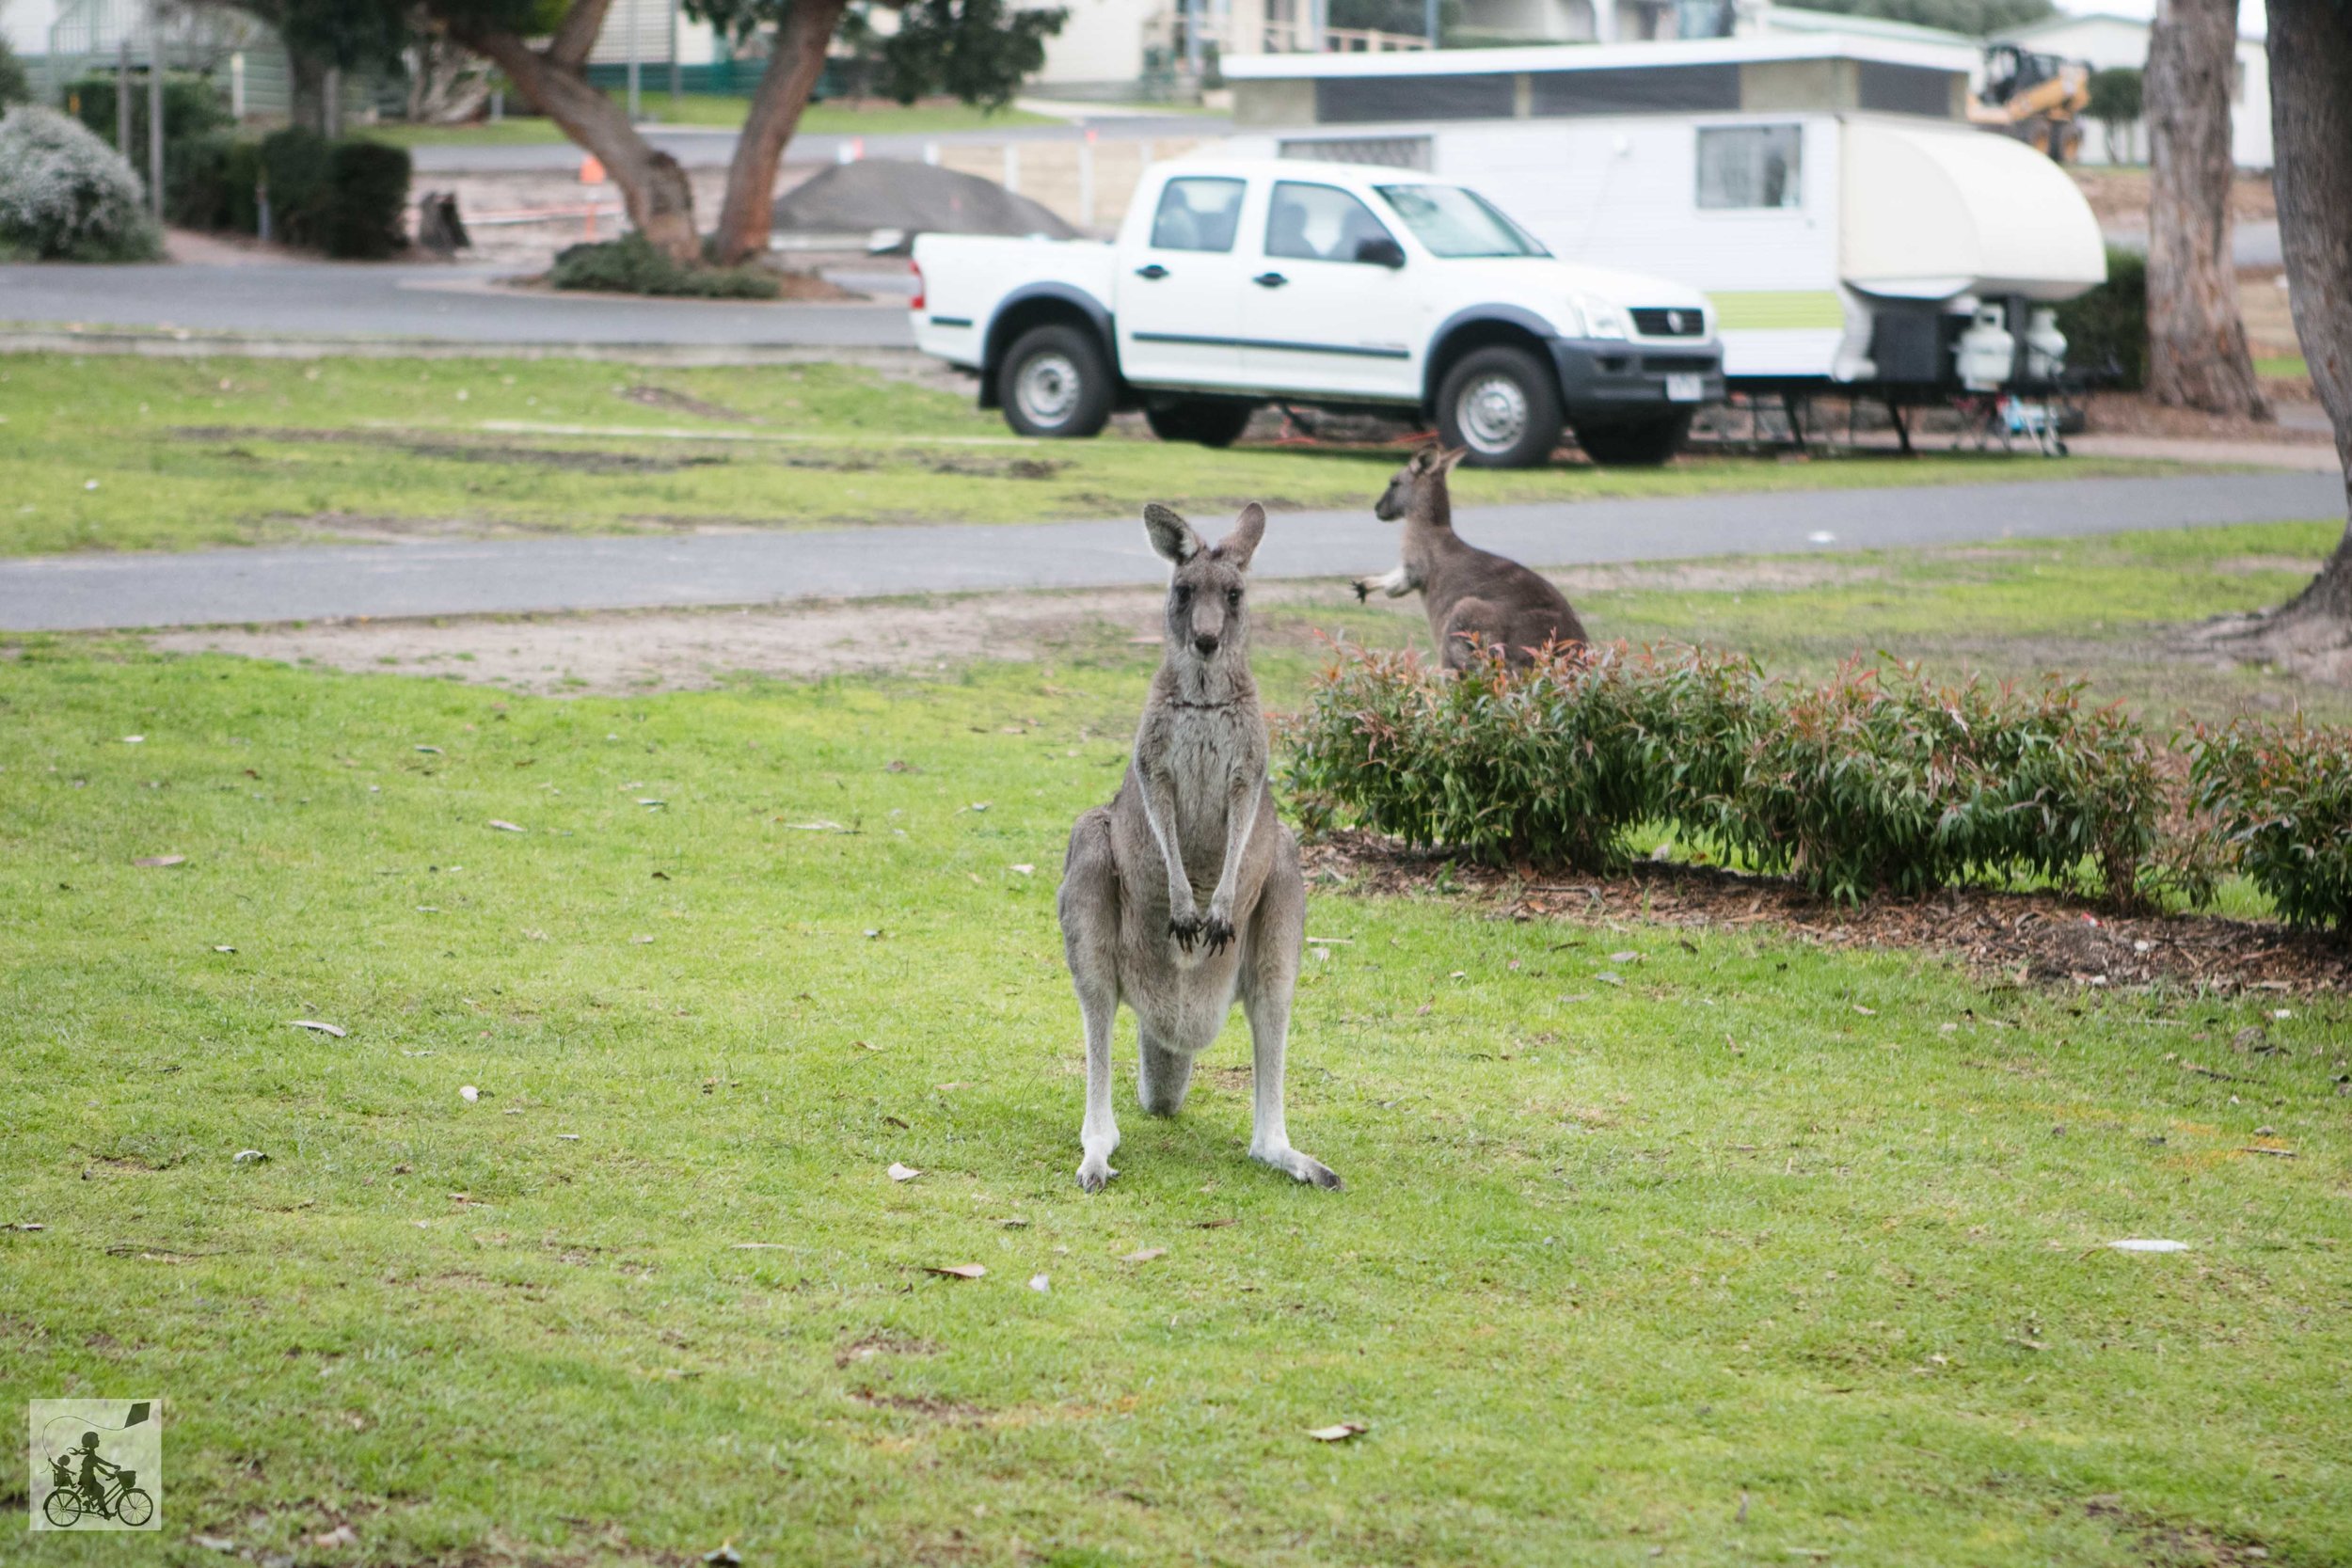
1504,405
1638,443
1208,422
1056,383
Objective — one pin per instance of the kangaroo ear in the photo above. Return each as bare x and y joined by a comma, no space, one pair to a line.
1445,460
1239,546
1170,535
1425,458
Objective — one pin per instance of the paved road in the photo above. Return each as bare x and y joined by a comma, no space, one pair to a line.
436,303
455,578
711,146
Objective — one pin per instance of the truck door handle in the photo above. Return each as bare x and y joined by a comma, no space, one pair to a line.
1269,281
1154,272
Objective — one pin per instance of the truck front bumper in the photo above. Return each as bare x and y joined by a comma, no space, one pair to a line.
1608,374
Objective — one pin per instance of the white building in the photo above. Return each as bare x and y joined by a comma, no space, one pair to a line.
2106,38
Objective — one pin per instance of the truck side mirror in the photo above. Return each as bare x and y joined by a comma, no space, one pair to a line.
1380,250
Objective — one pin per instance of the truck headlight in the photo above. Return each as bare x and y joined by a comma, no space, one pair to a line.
1601,319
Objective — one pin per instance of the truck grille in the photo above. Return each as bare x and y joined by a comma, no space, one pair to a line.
1657,321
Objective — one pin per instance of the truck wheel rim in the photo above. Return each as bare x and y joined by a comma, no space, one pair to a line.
1048,388
1493,413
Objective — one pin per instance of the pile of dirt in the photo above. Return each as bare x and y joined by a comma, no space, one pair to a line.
2013,938
913,199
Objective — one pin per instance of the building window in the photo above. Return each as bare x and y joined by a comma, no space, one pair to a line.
1383,151
1749,166
1198,215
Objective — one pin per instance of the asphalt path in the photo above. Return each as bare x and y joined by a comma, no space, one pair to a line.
445,578
421,302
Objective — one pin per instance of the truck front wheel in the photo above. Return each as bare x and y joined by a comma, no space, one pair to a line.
1056,383
1205,420
1504,405
1643,443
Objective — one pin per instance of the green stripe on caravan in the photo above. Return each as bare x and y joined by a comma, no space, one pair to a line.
1784,308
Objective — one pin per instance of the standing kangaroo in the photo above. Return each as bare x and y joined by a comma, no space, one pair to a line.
1194,816
1476,599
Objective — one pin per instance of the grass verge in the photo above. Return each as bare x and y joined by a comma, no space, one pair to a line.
1761,1253
125,454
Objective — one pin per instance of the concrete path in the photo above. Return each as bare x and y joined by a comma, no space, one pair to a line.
422,302
516,576
713,147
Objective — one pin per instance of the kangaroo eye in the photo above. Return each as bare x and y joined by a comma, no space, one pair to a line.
1184,593
1233,596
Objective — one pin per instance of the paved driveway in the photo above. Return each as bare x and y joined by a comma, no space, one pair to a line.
457,304
516,576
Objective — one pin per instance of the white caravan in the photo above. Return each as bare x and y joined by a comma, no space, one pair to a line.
1825,192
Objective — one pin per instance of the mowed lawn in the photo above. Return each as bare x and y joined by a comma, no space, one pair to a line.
1657,1245
135,454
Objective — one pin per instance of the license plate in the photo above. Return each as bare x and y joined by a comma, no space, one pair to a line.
1685,388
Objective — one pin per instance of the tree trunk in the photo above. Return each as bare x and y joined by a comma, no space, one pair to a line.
795,61
2310,124
660,201
306,91
2197,355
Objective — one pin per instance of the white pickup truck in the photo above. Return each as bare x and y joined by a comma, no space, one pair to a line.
1235,282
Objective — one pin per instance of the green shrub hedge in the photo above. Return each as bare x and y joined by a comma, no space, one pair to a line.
1876,780
2278,800
366,200
632,265
2107,328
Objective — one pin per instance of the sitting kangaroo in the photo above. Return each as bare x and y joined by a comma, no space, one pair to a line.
1194,814
1476,599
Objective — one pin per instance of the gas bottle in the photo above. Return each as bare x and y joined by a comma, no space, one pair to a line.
2045,347
1986,351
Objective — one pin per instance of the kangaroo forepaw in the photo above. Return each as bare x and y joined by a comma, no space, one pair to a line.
1185,928
1094,1173
1363,590
1217,933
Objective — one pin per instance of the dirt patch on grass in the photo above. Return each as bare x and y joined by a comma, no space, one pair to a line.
2133,414
2011,938
886,1343
683,402
929,1406
582,460
692,650
2162,1542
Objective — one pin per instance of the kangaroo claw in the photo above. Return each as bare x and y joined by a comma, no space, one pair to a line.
1363,590
1218,932
1185,928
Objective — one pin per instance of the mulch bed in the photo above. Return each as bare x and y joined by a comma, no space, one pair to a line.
2013,938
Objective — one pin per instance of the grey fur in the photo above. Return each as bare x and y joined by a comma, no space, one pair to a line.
1475,598
1193,819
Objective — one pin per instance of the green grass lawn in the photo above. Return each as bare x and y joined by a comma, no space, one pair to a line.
1766,1253
2281,367
715,109
107,453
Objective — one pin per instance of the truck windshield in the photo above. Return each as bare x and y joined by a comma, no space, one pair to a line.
1457,223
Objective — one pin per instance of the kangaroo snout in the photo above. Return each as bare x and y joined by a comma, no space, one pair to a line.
1204,645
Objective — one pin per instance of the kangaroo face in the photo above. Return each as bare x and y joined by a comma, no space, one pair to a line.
1207,621
1427,466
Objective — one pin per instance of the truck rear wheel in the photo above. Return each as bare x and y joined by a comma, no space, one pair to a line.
1207,421
1504,405
1639,443
1056,383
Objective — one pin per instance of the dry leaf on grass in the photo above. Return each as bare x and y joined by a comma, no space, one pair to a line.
1214,1225
1144,1255
958,1270
161,860
334,1029
902,1173
468,1093
247,1157
1339,1433
1039,1283
341,1535
505,827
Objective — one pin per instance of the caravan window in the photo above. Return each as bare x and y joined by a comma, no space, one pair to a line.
1751,167
1198,215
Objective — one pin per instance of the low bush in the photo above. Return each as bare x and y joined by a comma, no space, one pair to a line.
1873,780
632,265
366,200
66,196
2277,801
2107,328
294,175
